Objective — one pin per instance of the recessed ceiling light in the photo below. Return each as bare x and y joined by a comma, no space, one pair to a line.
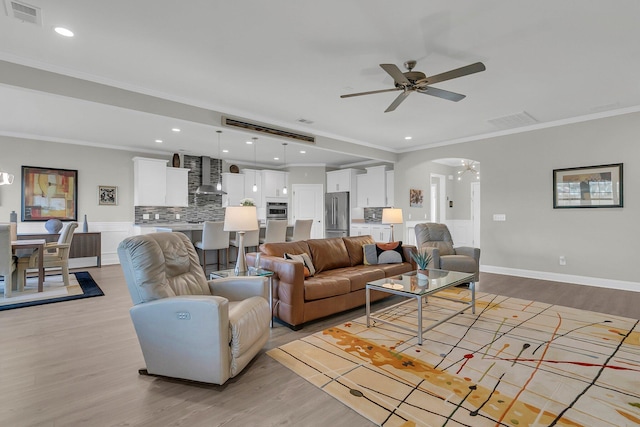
225,151
408,137
249,142
175,129
303,152
276,158
159,141
63,31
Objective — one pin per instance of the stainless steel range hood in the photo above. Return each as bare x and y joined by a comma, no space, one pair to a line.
206,187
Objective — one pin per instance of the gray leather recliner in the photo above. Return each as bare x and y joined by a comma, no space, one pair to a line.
436,238
188,327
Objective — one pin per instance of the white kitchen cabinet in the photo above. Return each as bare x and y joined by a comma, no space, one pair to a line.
177,187
251,177
149,181
381,233
371,187
390,189
342,180
233,184
360,230
273,182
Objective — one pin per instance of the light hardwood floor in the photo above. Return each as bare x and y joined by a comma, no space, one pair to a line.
76,364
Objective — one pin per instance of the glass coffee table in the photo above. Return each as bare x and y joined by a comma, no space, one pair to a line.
252,272
408,285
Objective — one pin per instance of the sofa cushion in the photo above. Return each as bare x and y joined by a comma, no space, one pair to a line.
394,269
279,249
328,254
383,253
354,246
360,275
325,286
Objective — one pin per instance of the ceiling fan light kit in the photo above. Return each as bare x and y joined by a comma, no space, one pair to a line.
416,81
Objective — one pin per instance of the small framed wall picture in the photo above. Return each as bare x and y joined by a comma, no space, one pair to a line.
107,195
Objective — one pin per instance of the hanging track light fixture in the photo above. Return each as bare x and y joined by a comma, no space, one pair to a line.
255,165
284,157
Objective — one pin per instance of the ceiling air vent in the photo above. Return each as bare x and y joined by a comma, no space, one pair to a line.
24,12
267,130
513,121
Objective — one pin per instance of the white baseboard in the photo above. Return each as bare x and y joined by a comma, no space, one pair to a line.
567,278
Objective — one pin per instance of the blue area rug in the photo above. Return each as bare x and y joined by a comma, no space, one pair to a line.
89,289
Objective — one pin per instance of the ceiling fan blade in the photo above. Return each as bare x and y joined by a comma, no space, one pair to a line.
395,72
452,74
370,92
440,93
397,101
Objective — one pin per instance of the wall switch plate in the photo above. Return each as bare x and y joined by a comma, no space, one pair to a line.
145,216
157,216
562,260
499,217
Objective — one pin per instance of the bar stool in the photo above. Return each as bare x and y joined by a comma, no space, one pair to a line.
276,231
213,238
301,230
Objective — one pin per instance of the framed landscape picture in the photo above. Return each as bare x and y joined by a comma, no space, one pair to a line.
107,195
49,193
588,187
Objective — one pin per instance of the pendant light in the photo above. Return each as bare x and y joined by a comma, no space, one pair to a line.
255,165
219,184
284,145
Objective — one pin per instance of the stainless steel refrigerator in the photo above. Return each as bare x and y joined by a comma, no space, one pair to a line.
336,214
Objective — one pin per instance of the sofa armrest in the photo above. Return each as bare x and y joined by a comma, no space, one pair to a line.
408,250
240,288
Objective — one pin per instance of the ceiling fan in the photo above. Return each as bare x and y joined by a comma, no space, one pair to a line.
416,81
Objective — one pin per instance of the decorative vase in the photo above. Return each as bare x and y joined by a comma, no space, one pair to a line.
176,160
85,225
13,216
53,226
423,277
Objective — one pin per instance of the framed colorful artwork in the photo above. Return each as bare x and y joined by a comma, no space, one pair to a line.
588,187
415,198
49,193
107,195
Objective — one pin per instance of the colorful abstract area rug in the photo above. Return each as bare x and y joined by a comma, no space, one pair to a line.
513,363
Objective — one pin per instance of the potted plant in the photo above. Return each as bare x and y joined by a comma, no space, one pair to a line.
422,259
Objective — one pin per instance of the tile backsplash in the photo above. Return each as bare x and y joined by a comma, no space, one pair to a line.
373,215
201,207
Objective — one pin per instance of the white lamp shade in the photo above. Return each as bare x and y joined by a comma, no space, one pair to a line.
240,218
392,216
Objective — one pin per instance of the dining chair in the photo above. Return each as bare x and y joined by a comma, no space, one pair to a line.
276,231
301,230
7,260
55,255
213,238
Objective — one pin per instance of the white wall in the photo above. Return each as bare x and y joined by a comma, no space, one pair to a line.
600,245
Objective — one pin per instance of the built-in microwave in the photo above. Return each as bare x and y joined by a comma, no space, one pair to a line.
277,210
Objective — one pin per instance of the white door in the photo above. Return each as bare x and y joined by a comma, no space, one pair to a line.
307,202
475,213
439,195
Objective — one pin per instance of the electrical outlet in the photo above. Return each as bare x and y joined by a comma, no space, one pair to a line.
145,216
374,216
562,260
157,216
409,216
177,216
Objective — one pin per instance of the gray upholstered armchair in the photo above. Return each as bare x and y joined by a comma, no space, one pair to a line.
437,240
187,327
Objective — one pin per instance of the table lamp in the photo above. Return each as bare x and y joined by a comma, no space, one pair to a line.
240,219
392,216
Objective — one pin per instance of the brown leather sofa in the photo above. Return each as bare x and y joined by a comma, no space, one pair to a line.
338,283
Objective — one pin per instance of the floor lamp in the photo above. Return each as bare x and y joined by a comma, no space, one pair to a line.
392,216
240,219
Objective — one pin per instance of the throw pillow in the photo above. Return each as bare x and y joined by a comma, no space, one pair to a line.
305,259
383,253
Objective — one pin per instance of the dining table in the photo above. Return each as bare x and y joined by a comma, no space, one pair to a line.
36,245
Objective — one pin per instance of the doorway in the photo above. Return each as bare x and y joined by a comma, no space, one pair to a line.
307,202
438,198
475,213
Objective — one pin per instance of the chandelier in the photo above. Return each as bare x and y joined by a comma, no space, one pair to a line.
468,166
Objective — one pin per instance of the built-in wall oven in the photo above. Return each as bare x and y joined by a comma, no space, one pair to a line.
277,210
